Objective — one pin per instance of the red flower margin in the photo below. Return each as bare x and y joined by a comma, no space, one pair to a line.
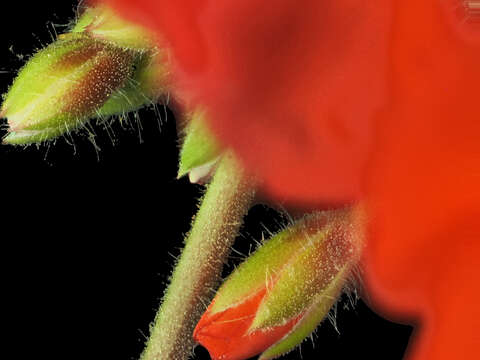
336,101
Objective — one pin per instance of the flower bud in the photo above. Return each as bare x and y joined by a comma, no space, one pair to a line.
62,86
200,151
278,296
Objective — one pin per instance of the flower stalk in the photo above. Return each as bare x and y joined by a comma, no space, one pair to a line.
226,201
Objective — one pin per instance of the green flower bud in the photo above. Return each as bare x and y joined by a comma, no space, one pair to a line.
62,86
200,151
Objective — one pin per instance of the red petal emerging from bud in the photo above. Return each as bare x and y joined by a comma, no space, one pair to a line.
278,296
222,332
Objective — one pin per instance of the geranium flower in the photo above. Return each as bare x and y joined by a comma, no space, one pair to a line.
337,101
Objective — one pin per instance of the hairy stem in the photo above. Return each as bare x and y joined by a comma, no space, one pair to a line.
226,201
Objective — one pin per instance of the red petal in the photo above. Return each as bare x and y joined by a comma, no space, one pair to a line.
298,83
225,334
424,188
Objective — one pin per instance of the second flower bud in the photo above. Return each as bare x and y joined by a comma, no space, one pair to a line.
279,295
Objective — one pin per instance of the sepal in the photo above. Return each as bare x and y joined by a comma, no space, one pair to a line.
200,150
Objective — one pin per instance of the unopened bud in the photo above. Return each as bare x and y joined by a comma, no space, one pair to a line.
62,86
278,296
105,66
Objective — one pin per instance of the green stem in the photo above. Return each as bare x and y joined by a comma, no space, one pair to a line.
226,201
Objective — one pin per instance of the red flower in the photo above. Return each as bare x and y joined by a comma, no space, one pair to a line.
332,101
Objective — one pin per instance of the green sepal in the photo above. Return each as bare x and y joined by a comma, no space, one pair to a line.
314,315
200,146
146,85
85,19
35,75
103,23
296,283
148,82
26,137
258,270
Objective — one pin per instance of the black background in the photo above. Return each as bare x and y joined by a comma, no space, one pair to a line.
89,236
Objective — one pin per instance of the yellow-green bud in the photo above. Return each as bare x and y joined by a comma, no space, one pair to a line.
62,86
